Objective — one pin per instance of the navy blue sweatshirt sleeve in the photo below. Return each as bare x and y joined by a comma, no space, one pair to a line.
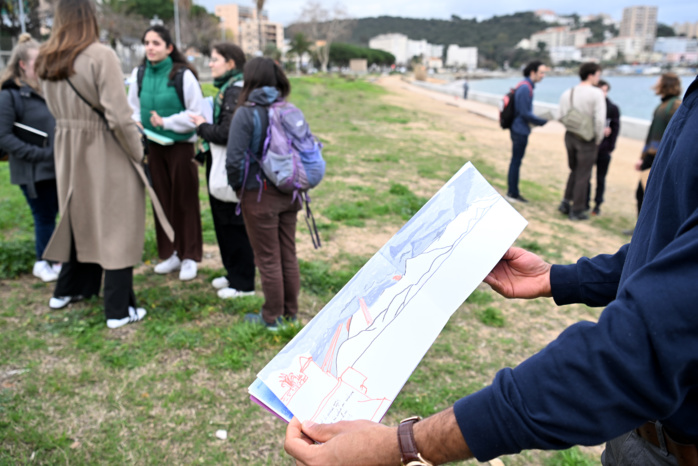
593,282
599,380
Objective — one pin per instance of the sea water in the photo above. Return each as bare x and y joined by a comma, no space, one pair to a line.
633,94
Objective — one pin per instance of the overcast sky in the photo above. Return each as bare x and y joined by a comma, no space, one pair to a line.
287,11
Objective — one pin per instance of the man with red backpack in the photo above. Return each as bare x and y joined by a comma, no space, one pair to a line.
521,126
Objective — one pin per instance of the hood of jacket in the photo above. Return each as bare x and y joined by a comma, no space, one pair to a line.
25,90
266,95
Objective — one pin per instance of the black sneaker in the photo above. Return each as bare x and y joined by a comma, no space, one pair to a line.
564,207
517,198
574,216
596,212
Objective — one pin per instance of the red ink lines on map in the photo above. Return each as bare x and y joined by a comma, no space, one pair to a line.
364,309
329,356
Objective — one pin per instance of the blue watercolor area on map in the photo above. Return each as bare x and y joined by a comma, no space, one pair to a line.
377,274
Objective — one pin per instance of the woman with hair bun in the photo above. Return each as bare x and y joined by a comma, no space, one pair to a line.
31,165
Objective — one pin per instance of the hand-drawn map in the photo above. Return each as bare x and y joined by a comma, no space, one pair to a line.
354,356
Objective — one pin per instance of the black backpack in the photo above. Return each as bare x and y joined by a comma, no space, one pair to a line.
177,81
507,112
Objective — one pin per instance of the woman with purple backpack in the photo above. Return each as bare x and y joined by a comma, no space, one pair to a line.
269,214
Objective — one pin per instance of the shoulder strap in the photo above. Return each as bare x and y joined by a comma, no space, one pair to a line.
139,78
571,96
96,110
17,104
178,83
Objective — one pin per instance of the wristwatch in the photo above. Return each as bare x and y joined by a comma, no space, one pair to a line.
409,456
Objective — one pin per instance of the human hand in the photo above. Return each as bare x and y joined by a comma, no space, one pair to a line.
342,443
520,274
197,119
155,119
607,132
638,165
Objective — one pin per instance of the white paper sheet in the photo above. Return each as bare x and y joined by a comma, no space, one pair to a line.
354,357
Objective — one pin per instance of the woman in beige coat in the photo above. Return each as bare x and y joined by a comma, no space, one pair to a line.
100,180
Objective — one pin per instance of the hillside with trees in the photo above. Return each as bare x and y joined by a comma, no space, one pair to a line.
495,37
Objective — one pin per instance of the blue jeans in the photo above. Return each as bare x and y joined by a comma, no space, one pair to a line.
519,142
44,210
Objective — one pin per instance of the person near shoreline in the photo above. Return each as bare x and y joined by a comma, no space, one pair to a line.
159,107
98,155
466,87
608,145
227,62
668,88
520,129
628,379
31,167
581,154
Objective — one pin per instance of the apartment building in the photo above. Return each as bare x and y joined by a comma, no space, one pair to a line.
640,22
689,30
241,23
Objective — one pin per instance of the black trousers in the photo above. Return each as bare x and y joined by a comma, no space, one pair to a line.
85,279
236,252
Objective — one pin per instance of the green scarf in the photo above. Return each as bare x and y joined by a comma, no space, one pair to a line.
222,83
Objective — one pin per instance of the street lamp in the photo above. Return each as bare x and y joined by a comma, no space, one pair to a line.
21,16
176,19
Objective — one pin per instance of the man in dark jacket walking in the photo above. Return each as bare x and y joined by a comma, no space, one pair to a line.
521,127
603,158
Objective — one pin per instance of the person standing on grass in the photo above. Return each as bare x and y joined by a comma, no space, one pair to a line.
159,107
226,63
270,215
31,166
581,155
608,145
98,154
630,379
521,126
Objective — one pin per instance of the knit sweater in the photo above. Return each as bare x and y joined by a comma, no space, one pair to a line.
590,101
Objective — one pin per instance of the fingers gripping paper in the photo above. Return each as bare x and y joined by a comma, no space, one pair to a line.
353,358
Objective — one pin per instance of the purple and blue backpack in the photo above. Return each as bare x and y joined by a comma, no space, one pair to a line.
292,157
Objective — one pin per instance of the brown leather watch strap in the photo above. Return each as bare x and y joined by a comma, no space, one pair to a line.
409,455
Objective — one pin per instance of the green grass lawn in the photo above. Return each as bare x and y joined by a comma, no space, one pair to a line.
74,392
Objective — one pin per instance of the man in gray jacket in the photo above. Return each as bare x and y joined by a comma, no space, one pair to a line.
581,154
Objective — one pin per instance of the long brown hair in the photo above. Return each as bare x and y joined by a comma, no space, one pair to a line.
178,58
74,29
261,72
20,53
669,84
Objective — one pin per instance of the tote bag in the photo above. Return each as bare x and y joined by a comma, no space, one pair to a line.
218,178
578,123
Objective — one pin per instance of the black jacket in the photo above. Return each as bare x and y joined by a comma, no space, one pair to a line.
247,132
28,163
608,144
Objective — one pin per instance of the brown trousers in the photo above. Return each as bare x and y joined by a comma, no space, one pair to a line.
175,177
271,228
581,156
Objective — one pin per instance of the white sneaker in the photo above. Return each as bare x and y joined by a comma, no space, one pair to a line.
169,265
59,302
220,282
44,271
134,315
188,270
57,267
230,293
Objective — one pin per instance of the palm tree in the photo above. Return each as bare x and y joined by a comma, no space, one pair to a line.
260,7
300,45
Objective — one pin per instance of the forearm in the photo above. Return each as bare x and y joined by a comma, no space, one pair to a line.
439,439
